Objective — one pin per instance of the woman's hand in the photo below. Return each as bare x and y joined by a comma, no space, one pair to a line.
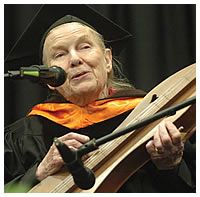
53,161
166,148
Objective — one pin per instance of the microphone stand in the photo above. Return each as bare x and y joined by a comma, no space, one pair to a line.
32,71
54,76
95,143
12,74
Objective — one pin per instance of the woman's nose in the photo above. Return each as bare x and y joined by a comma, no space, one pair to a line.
75,59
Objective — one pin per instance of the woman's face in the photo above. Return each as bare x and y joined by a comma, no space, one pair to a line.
78,50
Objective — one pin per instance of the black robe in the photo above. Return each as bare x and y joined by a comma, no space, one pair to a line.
28,140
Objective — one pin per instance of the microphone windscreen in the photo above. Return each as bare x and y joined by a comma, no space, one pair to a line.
59,76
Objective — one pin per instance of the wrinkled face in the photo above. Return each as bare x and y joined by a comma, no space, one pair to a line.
78,50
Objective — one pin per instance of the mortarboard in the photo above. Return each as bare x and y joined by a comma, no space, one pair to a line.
26,50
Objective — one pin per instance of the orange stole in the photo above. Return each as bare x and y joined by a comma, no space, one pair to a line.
76,117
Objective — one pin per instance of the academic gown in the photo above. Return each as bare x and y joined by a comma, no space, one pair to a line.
28,140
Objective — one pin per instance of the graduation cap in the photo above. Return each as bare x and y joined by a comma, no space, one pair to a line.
26,51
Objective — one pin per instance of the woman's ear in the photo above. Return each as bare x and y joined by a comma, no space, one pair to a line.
108,58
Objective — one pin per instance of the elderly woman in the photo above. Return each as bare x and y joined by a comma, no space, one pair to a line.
91,98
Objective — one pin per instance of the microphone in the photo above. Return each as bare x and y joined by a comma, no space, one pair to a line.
83,177
53,76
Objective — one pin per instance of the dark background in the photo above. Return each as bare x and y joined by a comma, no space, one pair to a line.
165,42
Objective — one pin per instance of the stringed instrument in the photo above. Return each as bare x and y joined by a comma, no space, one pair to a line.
114,162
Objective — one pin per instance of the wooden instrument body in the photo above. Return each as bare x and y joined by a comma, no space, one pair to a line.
114,162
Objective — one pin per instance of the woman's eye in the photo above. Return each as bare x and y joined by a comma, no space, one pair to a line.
59,55
85,46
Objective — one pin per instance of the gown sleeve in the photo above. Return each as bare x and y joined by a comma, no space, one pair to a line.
23,150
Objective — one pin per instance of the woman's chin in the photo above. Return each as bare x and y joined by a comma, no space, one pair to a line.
85,88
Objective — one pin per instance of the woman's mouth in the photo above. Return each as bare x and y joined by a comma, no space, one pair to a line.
80,75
